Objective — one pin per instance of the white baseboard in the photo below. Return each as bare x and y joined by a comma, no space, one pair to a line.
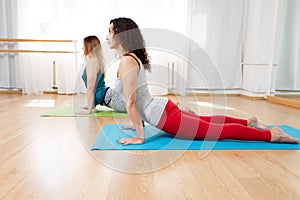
237,91
214,91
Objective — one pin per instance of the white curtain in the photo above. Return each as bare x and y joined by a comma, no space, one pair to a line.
8,61
62,19
288,47
217,26
4,65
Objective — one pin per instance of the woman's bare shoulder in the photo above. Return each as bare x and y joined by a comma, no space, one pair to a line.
127,63
93,63
92,60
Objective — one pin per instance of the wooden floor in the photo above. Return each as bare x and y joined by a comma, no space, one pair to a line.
49,158
293,101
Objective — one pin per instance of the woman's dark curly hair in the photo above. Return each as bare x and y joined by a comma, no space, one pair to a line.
129,35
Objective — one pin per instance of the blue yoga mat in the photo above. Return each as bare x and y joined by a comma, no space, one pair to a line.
159,140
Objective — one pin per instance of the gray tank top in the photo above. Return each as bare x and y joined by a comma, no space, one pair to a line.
150,108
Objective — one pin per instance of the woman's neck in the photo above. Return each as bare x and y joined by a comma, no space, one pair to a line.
120,52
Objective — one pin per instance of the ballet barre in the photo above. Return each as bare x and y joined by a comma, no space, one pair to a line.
10,42
7,47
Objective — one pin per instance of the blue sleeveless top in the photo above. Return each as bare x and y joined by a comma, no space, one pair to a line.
100,87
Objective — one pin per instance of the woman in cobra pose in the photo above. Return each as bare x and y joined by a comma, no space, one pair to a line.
125,37
93,77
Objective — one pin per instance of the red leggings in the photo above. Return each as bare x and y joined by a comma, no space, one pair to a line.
190,126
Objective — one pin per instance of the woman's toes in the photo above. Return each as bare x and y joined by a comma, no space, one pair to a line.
253,122
280,136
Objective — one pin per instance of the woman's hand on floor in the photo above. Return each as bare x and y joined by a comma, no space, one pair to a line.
84,107
132,140
83,112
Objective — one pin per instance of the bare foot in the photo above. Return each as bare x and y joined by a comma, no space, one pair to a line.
280,136
253,122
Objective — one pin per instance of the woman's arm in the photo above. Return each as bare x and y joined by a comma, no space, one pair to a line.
91,73
128,71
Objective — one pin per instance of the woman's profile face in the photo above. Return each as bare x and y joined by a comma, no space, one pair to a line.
110,37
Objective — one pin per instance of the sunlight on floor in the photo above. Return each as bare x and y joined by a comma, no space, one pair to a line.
45,103
210,105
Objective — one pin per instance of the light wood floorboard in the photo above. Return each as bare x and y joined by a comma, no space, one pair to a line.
49,157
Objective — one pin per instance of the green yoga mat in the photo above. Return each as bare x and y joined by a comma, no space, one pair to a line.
65,111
